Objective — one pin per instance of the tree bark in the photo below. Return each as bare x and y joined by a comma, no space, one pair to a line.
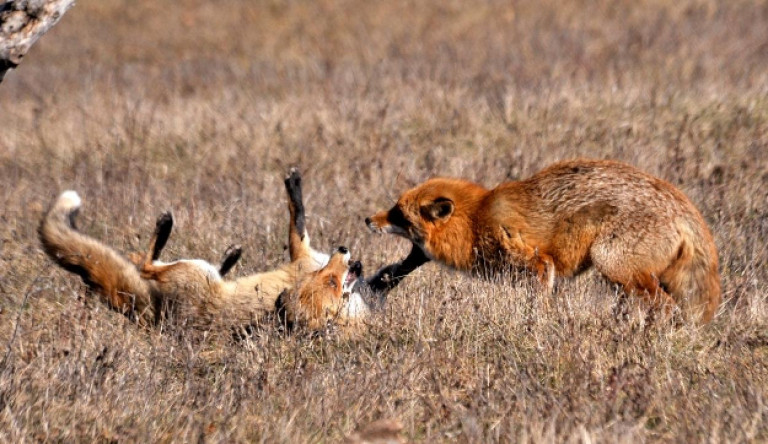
22,22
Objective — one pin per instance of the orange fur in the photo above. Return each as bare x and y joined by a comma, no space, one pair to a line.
637,230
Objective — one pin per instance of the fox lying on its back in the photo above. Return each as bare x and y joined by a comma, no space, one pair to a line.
315,288
637,230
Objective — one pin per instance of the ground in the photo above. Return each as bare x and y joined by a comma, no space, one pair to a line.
202,106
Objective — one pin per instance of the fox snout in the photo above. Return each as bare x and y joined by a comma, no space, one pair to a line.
341,257
371,225
380,223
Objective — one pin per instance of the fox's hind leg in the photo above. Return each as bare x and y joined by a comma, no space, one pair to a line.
160,236
648,287
163,227
636,268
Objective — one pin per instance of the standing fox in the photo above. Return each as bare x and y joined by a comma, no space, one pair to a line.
315,288
637,230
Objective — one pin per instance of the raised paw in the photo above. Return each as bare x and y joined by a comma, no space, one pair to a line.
293,180
295,202
231,256
163,228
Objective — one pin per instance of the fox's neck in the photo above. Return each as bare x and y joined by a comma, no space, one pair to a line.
454,243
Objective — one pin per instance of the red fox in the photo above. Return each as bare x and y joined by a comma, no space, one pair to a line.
317,288
637,230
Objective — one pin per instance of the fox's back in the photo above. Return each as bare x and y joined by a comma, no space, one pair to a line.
633,195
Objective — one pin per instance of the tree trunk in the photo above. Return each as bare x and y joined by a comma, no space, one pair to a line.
22,22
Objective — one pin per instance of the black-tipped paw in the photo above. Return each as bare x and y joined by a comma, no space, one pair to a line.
293,180
164,222
163,228
231,256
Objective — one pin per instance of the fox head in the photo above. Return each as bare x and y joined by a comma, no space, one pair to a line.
323,294
436,215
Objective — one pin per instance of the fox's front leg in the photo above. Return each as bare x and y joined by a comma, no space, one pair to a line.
231,256
388,277
545,270
519,252
298,238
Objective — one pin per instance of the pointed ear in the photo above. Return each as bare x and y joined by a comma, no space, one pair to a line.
440,209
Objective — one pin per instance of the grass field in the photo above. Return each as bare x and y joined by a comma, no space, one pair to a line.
201,107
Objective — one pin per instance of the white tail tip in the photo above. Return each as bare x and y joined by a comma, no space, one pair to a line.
70,199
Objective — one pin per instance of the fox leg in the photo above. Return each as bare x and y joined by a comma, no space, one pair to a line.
543,264
650,290
231,256
531,258
575,234
643,284
157,242
634,260
389,276
545,271
298,237
163,227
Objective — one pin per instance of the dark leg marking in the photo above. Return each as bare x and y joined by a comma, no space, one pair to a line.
293,187
163,228
231,256
388,277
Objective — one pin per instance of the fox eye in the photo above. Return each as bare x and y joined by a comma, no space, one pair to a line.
332,283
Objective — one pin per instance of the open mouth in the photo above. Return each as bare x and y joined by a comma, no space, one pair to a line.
355,272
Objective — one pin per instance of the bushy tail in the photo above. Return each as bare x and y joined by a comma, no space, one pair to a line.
104,270
693,279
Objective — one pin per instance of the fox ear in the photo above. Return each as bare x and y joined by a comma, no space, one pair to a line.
440,209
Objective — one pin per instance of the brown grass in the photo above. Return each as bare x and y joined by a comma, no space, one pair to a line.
200,106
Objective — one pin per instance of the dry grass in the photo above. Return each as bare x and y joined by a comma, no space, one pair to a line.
200,106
